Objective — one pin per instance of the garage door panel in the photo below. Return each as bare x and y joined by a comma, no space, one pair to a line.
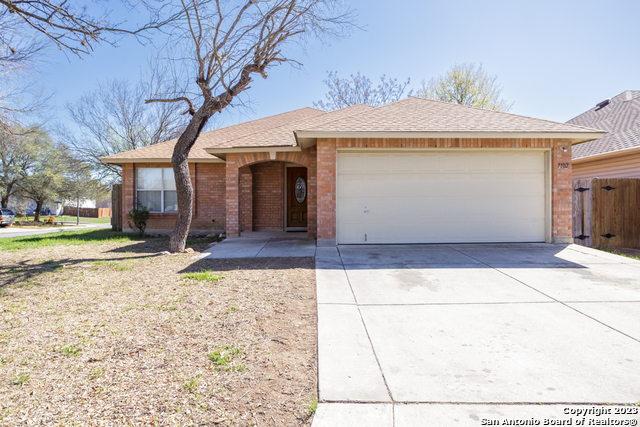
377,163
427,163
441,197
350,163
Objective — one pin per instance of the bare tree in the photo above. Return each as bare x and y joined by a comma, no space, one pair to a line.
18,95
360,90
73,28
466,84
114,118
227,43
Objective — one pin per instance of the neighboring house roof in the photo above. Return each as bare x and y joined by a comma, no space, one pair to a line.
411,117
620,118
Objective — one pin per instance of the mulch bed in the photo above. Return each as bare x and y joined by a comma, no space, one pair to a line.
116,334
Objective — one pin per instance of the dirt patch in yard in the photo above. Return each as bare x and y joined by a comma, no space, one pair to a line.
115,334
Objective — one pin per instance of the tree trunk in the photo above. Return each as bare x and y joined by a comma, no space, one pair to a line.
184,189
5,199
36,214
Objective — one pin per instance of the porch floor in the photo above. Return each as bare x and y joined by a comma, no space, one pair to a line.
263,244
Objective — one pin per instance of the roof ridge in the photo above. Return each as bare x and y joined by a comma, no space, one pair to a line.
623,93
290,124
504,112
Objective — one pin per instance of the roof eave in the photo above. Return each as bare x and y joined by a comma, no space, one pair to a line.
222,152
120,161
306,138
608,154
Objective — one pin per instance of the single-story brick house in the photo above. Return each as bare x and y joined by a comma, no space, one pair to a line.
617,154
414,171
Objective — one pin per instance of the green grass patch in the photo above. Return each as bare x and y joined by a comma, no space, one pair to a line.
83,237
70,350
617,252
202,276
21,379
311,406
113,265
73,219
223,357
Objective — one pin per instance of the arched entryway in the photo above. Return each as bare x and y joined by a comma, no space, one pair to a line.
273,196
271,192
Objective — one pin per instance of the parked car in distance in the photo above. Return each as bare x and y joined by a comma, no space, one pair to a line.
7,217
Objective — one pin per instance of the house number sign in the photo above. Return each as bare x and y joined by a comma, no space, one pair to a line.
563,165
301,189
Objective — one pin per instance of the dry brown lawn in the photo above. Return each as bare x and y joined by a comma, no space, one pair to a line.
117,334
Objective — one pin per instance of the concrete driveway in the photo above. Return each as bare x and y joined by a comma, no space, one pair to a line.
467,335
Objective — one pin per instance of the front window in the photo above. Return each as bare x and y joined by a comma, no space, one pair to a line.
156,189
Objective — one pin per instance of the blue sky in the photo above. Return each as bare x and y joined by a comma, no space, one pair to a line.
553,59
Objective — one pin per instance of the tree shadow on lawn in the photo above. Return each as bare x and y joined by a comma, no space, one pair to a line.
230,264
23,274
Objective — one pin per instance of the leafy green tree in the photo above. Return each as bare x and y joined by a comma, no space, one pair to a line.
42,180
466,84
18,153
78,183
360,90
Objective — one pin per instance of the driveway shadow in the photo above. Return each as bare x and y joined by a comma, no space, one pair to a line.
464,256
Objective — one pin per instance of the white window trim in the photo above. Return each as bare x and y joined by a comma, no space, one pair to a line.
162,190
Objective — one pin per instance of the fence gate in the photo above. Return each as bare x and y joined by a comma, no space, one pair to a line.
116,207
582,212
606,212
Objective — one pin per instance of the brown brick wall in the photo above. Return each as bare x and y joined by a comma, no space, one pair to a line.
267,175
246,199
268,196
209,191
561,177
248,191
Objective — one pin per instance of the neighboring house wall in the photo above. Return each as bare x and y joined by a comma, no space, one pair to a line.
560,199
621,164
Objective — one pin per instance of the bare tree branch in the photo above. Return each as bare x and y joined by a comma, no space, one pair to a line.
229,42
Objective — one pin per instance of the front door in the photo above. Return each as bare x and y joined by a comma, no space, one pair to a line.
296,197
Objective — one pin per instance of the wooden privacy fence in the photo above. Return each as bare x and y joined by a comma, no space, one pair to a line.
606,212
86,212
116,204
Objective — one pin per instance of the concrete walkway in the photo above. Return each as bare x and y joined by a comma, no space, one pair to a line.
440,335
264,244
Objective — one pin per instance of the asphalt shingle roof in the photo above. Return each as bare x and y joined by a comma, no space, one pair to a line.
620,118
426,115
407,115
218,137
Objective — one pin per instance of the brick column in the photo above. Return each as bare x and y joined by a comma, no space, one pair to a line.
326,189
312,194
128,192
233,197
246,199
562,192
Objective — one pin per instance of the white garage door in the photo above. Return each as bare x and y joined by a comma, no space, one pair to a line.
444,197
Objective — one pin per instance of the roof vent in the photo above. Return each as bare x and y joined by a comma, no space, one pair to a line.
628,95
603,104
